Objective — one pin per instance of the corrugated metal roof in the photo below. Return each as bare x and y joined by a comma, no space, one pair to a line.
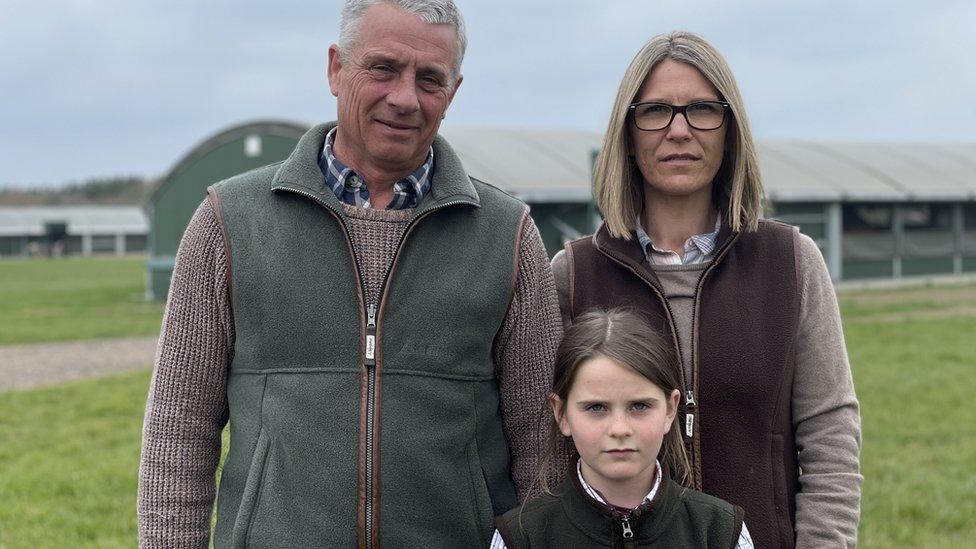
536,165
555,165
30,220
545,166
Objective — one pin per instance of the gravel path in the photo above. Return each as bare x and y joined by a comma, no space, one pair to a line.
37,364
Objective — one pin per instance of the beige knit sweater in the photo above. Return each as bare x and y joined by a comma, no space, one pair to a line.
825,408
187,405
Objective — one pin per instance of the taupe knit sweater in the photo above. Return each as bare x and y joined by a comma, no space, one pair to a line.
187,405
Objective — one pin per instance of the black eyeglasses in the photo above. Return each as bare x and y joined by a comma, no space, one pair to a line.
701,115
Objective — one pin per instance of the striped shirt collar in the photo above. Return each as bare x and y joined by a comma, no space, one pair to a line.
593,493
697,249
350,188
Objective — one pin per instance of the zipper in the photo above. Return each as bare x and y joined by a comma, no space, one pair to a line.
692,440
369,360
370,364
370,341
694,454
690,407
372,333
628,533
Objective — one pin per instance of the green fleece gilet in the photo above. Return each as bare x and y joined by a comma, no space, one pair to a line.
317,418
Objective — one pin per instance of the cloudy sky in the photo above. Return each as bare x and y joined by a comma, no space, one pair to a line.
93,88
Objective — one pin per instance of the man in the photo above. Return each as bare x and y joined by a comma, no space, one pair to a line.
377,327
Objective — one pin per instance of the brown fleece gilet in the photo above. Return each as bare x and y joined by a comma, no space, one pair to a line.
743,338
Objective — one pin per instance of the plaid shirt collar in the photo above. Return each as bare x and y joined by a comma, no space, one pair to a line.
698,248
350,188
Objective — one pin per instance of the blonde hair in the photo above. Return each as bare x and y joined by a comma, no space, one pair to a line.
618,184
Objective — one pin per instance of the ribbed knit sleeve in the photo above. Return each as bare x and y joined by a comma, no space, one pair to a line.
825,413
187,405
525,354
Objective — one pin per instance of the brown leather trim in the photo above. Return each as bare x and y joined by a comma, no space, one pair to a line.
516,255
361,483
571,279
377,393
511,294
214,200
363,396
730,239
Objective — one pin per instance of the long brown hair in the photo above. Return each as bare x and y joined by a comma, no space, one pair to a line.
624,336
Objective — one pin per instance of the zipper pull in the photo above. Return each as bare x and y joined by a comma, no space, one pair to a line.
690,414
625,525
371,335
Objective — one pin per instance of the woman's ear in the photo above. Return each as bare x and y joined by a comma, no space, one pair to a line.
559,414
673,399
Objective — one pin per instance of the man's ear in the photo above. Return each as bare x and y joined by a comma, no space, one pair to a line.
559,414
334,69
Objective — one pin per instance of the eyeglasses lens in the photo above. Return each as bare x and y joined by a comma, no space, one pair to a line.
705,115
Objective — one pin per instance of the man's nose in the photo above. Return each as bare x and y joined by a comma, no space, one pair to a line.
403,96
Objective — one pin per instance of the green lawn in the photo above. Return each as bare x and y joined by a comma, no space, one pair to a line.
69,454
70,299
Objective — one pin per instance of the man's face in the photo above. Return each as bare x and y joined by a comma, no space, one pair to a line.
392,90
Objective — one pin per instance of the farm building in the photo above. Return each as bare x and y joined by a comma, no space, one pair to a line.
550,170
71,230
178,193
877,210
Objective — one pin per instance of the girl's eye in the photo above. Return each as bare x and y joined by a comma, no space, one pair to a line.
640,406
596,408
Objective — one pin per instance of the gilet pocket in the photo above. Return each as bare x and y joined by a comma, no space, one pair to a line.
252,492
479,487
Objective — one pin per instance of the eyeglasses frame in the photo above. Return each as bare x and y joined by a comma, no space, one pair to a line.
675,111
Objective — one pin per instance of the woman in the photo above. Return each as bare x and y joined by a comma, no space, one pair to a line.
770,418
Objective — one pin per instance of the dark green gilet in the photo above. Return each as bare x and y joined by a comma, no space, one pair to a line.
333,446
677,517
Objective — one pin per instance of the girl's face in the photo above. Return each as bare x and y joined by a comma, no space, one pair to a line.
617,419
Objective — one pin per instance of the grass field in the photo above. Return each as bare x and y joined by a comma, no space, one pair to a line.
71,299
69,454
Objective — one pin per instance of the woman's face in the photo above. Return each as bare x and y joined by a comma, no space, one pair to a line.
677,160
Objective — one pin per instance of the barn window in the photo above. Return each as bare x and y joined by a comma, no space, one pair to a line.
252,146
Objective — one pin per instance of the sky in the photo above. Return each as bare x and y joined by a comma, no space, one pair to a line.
104,88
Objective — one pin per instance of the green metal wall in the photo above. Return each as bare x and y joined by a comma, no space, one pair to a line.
552,219
179,195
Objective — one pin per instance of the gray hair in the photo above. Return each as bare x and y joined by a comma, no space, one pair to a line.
433,12
617,181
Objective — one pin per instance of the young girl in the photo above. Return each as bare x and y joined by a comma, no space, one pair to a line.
615,396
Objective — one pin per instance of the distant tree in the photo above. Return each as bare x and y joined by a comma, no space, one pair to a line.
120,190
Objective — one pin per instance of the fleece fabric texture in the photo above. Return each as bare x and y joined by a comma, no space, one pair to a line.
676,517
